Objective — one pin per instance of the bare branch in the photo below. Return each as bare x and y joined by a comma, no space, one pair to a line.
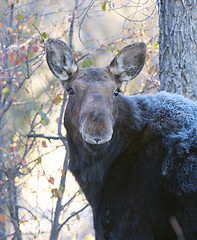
70,200
72,23
39,32
81,22
45,136
178,230
74,214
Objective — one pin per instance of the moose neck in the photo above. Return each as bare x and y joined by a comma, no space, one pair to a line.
89,167
90,163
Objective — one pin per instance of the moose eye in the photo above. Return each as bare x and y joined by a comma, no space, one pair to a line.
70,91
117,92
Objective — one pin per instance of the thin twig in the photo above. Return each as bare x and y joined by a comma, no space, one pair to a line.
177,228
74,214
45,136
85,14
70,200
72,23
38,32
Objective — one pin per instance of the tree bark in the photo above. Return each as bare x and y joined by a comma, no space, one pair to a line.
178,46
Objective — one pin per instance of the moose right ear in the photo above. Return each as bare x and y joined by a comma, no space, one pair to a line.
60,59
128,62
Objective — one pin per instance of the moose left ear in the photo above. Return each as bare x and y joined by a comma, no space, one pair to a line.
128,62
60,59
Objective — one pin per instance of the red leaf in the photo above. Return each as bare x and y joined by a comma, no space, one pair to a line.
1,182
12,56
57,120
12,149
24,56
63,172
35,48
3,56
44,144
18,61
6,74
24,162
18,159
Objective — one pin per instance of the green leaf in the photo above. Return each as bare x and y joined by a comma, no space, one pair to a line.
76,214
87,63
32,113
44,121
61,188
58,99
156,45
39,159
44,35
5,90
78,217
80,191
13,95
104,6
20,17
31,54
39,108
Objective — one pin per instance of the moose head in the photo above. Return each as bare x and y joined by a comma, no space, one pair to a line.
91,111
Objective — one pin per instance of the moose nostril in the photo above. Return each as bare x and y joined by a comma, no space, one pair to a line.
97,140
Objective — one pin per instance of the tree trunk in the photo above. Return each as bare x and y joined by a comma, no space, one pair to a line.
178,46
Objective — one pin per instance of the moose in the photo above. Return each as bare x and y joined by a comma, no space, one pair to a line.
135,157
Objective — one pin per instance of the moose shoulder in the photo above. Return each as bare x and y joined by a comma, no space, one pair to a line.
135,157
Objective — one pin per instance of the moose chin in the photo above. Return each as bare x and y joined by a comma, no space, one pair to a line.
135,157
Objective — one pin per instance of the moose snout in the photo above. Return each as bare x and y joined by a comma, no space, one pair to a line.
96,126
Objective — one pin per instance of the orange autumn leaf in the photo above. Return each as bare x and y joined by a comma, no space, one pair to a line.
2,217
68,227
55,192
150,69
51,180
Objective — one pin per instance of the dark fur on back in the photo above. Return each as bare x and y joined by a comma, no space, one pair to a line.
146,173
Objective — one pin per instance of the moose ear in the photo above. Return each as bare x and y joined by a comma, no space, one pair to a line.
60,59
128,62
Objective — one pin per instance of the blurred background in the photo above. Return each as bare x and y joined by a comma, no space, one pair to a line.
39,198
